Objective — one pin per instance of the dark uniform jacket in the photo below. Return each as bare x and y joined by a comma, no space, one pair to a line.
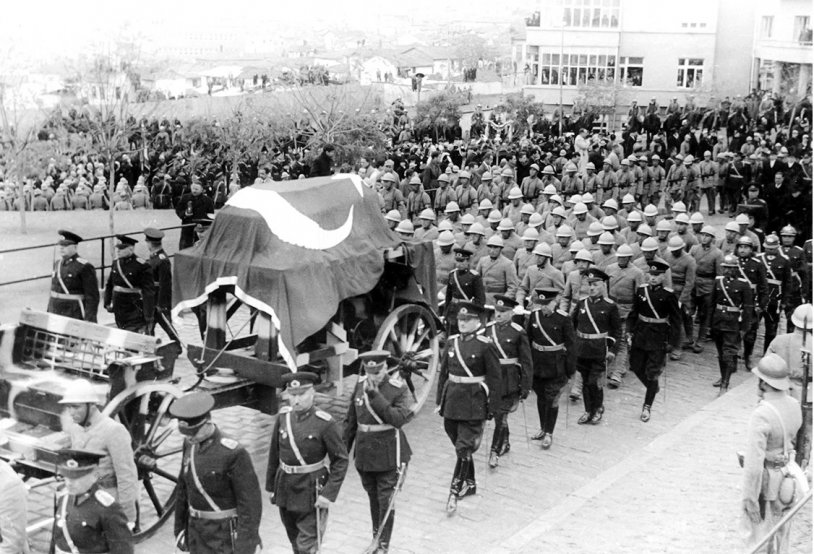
162,279
94,522
754,273
316,435
130,290
463,284
605,314
778,278
469,401
512,345
377,448
733,304
552,341
74,276
655,319
225,471
200,205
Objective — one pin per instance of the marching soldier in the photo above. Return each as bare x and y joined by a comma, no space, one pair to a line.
755,275
515,363
162,279
790,345
778,279
380,406
598,329
733,305
654,322
683,268
624,279
306,465
796,257
540,275
219,503
130,289
463,285
87,519
469,393
496,271
551,335
708,259
74,288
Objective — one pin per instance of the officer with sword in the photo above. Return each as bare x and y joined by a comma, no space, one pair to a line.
130,289
380,406
219,503
515,364
464,285
306,465
551,335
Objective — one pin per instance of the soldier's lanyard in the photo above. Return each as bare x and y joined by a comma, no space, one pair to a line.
540,327
768,268
497,342
726,293
122,275
380,421
62,523
455,343
65,289
782,427
591,316
740,268
194,473
738,173
291,440
458,286
650,303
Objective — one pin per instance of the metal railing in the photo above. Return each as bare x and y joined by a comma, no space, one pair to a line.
102,266
783,521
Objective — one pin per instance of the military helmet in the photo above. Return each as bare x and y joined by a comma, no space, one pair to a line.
595,229
446,238
494,216
708,230
505,225
644,229
405,227
580,208
531,234
746,241
565,231
527,209
663,225
393,215
675,243
730,261
624,251
732,226
606,238
584,256
476,229
771,241
789,231
495,240
515,193
542,249
649,245
467,219
697,218
427,214
635,215
609,223
485,204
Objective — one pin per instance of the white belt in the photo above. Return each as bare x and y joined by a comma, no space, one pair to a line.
219,514
582,335
466,380
653,319
365,428
547,348
508,361
126,290
63,296
308,468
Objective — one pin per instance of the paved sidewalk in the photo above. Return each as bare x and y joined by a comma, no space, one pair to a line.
680,493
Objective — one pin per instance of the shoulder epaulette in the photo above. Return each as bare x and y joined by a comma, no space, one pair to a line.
323,415
82,260
162,256
231,444
481,338
473,272
609,300
562,312
105,498
743,280
284,410
517,326
453,337
141,261
396,381
668,289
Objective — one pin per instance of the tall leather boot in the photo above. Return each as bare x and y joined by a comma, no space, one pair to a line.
544,411
722,370
748,348
457,477
468,486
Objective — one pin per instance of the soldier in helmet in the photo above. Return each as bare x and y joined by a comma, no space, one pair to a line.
463,285
733,306
796,257
770,442
515,363
469,393
551,336
130,289
88,519
708,259
754,272
427,230
301,482
525,257
624,279
683,268
790,345
380,406
540,275
654,322
598,329
778,279
89,429
74,288
219,503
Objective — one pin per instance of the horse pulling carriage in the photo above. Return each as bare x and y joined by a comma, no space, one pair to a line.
291,275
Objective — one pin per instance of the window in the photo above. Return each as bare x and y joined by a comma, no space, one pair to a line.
802,29
578,67
591,13
631,71
690,72
766,23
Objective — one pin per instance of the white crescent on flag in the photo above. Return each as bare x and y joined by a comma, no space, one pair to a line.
289,224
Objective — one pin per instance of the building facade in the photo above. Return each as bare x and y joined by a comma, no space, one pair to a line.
636,50
782,50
